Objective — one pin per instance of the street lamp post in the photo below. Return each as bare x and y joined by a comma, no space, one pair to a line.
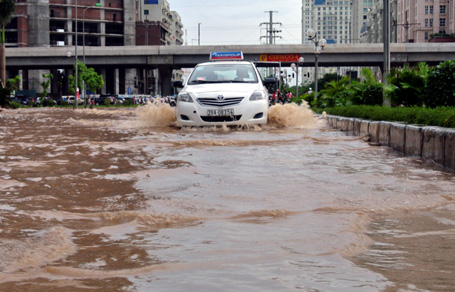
318,46
83,47
296,69
76,89
199,34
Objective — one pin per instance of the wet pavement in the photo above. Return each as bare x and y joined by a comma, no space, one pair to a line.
119,199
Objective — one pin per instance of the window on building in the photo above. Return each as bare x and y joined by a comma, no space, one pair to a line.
426,35
442,9
426,9
442,22
426,22
431,9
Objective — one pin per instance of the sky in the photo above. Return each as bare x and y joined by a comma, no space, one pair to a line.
238,22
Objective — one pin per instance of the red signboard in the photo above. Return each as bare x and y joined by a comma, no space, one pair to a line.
279,57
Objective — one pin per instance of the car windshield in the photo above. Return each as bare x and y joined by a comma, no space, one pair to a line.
223,73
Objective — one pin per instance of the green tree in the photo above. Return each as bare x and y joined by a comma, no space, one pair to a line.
406,86
7,8
45,84
336,93
368,91
5,92
440,85
92,80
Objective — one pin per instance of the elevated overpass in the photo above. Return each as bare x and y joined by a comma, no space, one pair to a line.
188,56
167,58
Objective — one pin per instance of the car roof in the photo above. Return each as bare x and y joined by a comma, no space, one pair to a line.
225,62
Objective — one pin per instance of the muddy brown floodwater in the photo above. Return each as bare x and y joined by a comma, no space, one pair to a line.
121,200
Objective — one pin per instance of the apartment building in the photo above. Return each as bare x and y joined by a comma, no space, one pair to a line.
424,20
337,21
52,23
412,21
100,22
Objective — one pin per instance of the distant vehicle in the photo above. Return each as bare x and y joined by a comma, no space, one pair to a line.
100,100
71,99
119,99
226,91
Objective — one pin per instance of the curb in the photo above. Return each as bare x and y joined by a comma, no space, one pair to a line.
431,143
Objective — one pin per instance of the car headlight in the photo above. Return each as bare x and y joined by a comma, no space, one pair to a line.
186,97
257,95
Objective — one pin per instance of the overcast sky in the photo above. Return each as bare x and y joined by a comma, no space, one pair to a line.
238,22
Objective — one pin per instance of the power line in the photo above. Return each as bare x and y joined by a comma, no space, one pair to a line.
272,33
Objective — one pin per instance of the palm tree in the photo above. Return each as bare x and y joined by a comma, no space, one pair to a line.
407,85
336,93
369,91
7,8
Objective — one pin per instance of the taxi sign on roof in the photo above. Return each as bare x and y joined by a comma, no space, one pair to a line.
226,56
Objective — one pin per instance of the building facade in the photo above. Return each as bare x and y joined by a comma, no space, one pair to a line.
337,21
52,23
412,21
424,21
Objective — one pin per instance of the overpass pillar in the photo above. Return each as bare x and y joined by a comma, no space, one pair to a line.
116,81
103,73
165,79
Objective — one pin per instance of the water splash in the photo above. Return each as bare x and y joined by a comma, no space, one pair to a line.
291,115
155,114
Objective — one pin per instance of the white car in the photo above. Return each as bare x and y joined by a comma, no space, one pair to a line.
223,92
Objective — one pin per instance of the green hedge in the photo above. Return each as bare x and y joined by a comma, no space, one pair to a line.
440,116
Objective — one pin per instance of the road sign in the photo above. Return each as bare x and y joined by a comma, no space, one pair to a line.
224,56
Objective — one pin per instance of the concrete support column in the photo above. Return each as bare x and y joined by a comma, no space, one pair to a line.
102,26
103,73
157,78
129,80
69,24
38,23
54,90
21,75
116,81
165,75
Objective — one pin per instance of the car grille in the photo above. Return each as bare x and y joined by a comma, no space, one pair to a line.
228,101
220,119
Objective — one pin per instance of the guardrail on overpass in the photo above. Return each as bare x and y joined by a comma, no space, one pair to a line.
189,56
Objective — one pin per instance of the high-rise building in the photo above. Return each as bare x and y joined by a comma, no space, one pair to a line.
412,21
339,22
423,21
307,19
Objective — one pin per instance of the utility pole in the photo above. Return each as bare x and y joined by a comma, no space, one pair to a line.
386,42
271,33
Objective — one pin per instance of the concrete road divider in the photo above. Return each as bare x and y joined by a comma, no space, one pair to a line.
432,143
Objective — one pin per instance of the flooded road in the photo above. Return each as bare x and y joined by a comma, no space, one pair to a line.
120,200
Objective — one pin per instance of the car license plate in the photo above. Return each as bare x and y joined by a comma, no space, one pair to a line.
220,112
